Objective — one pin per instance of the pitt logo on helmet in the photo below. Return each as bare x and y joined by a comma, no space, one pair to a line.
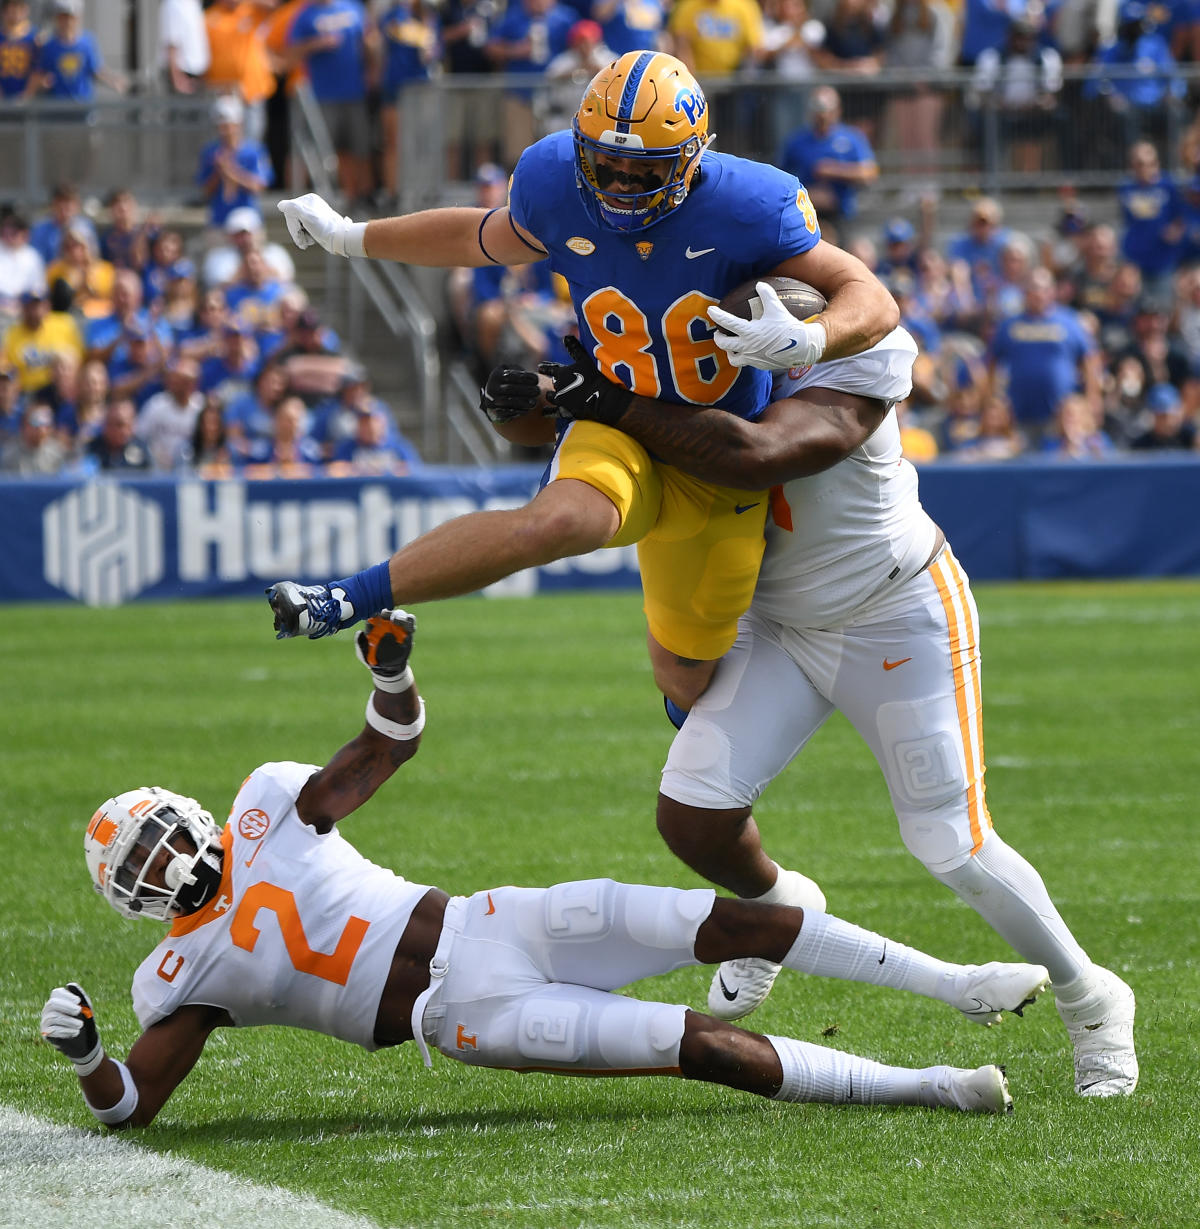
640,133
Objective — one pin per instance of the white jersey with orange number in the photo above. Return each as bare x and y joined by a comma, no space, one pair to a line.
842,538
302,931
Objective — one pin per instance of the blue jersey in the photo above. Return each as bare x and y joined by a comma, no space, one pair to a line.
410,46
340,74
71,67
1148,210
641,299
842,143
635,25
1042,356
17,55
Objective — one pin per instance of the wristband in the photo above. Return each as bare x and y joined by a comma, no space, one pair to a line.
395,729
89,1063
124,1108
401,682
356,239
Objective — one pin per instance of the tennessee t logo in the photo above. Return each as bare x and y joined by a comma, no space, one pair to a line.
891,665
466,1041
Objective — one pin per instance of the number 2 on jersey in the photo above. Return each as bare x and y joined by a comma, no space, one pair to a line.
329,966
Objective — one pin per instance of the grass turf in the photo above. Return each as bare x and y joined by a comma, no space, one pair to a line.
540,763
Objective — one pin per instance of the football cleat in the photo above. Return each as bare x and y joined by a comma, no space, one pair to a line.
308,610
989,989
739,986
982,1091
1100,1025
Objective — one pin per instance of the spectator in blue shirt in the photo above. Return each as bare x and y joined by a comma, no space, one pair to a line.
409,30
529,35
333,40
831,159
1044,353
1145,82
232,171
46,234
981,245
69,61
18,51
630,25
1153,215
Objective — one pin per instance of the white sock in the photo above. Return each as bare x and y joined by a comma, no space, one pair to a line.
792,888
817,1073
1008,893
830,947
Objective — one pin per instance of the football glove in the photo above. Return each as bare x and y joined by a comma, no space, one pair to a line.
773,342
383,645
69,1025
311,219
509,393
581,391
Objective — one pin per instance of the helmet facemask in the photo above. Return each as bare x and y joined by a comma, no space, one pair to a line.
154,854
640,134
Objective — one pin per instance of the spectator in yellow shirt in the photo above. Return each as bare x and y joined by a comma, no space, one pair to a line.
716,37
31,344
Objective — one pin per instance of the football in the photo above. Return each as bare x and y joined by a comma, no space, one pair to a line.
801,299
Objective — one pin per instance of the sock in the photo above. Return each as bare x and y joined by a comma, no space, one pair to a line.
368,591
675,715
817,1073
830,947
1010,896
792,888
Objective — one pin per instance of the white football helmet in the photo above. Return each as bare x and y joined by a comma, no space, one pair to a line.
123,841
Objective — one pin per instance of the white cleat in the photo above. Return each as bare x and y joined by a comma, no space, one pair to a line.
990,989
982,1091
1100,1024
739,986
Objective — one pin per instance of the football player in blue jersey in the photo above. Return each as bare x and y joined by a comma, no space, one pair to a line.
651,228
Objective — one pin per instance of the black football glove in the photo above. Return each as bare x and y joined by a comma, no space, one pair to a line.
69,1025
581,391
383,645
509,393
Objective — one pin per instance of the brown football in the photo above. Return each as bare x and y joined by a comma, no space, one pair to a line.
801,299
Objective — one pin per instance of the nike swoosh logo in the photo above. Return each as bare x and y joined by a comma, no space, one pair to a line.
730,995
690,255
884,956
738,509
576,382
784,349
491,908
891,665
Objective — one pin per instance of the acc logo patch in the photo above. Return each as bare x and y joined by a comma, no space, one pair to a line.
253,824
581,246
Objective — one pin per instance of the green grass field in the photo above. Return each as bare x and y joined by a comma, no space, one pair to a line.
540,763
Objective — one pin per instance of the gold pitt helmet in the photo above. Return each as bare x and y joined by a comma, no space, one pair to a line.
646,110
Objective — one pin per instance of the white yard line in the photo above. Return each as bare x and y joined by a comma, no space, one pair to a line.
54,1175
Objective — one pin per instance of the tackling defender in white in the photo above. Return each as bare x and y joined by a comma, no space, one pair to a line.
860,606
276,919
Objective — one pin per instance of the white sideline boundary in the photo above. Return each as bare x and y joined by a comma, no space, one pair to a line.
55,1175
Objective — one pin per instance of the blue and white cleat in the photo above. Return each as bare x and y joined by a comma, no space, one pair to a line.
308,610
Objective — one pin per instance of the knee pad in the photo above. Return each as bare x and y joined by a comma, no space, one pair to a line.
939,838
588,1030
666,918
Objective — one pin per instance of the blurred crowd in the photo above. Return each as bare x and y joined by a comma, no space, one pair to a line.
125,344
120,351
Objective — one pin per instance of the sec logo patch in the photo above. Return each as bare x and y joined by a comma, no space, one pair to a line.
253,823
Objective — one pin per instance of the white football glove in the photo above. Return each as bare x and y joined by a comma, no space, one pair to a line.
773,342
311,219
69,1025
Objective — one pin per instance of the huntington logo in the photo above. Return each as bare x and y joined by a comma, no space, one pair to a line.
102,544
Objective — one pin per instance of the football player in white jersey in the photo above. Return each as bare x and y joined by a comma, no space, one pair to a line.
860,606
276,919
